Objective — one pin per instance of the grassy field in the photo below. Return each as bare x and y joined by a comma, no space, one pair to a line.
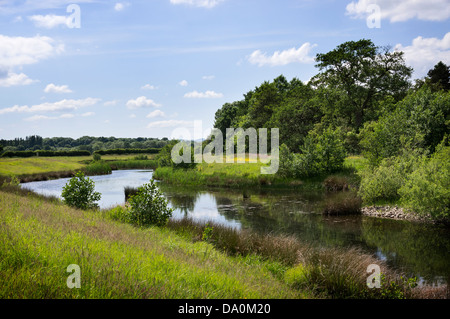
39,240
44,165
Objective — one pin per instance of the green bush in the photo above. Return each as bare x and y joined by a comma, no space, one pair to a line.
321,153
97,157
148,207
380,183
427,189
79,192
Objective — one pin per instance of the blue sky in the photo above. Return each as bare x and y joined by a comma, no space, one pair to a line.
144,68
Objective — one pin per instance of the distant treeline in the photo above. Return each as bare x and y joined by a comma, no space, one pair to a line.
85,143
44,153
119,151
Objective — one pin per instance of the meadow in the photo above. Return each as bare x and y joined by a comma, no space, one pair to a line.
40,239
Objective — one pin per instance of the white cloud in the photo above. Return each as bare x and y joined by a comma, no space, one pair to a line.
119,6
132,116
198,3
140,102
424,53
88,114
402,10
19,51
62,105
203,95
52,88
208,77
293,55
170,123
35,118
156,113
13,79
49,21
184,83
148,87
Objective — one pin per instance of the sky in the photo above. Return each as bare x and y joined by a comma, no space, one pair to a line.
147,68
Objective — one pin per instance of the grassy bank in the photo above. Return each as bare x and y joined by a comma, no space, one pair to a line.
44,168
39,239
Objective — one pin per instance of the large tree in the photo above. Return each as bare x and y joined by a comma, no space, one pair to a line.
365,73
439,76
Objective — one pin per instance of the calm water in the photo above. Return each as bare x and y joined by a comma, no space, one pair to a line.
418,249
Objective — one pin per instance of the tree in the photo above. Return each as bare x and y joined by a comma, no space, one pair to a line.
149,207
439,76
365,73
80,192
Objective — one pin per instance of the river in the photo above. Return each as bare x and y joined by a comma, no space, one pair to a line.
421,250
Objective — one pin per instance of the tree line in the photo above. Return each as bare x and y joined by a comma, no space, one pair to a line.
89,144
362,102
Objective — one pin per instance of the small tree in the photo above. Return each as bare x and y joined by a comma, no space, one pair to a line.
80,192
149,207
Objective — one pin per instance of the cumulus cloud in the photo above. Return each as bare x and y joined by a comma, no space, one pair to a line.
19,51
402,10
88,114
62,105
424,53
170,123
198,3
203,95
141,102
49,21
184,83
293,55
12,79
156,113
52,88
208,77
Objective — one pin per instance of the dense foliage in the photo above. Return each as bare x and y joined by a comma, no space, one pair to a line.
361,102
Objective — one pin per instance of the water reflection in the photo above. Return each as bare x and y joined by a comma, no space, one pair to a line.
418,249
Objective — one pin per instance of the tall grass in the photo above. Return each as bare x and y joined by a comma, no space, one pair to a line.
325,272
133,164
97,168
38,240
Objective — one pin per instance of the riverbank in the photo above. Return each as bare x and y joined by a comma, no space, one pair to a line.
176,261
40,239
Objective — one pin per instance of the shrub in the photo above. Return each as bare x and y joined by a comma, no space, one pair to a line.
427,189
149,207
381,183
321,153
97,157
79,192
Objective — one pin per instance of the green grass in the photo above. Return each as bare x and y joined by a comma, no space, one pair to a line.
39,239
